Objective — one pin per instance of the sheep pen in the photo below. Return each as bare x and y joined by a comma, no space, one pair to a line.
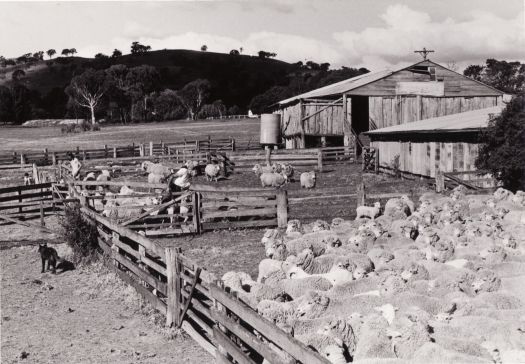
440,282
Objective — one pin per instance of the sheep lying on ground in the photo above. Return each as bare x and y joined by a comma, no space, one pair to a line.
308,179
212,172
367,211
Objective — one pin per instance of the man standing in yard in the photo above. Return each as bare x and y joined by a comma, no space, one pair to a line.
75,165
180,181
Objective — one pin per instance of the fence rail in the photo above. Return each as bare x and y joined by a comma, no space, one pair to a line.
192,298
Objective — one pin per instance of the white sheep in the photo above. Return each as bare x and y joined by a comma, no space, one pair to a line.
212,172
336,275
272,180
258,169
367,211
310,305
308,179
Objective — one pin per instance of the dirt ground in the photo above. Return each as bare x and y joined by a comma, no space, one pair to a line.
83,316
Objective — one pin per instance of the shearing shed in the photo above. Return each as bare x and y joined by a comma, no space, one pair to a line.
446,143
338,114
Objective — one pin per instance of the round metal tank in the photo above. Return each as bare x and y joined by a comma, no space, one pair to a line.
270,129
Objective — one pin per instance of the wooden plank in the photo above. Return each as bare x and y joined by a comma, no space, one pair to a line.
205,344
25,188
123,231
249,338
238,203
15,221
225,342
268,329
239,213
124,183
238,224
190,296
25,196
145,276
143,291
155,209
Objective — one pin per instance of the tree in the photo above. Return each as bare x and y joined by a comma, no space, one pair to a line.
261,103
6,104
39,55
72,51
167,105
116,53
17,75
204,48
234,52
505,76
101,56
140,82
474,71
87,90
65,52
50,53
193,96
137,48
264,54
324,67
502,149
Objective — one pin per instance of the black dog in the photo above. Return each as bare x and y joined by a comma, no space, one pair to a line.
49,254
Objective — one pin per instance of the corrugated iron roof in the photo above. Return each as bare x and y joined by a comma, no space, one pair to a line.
469,120
342,86
352,83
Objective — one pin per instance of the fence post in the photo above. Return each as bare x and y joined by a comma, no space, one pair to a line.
105,150
141,149
150,148
320,160
115,237
440,181
196,212
54,158
376,160
22,159
84,155
42,222
19,192
173,286
114,152
282,208
233,144
14,157
162,146
46,156
361,194
268,153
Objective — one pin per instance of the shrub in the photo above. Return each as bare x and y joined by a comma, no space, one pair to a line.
79,234
502,149
79,128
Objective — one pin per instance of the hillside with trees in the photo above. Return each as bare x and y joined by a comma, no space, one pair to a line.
148,85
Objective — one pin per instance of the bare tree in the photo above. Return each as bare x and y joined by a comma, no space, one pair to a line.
88,89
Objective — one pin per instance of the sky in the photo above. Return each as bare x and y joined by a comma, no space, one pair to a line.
353,33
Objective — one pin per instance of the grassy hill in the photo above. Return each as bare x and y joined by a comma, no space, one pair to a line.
235,79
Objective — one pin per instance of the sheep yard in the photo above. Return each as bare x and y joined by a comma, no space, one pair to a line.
420,277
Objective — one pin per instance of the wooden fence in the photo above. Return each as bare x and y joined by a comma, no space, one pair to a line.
193,299
27,202
46,157
205,207
226,207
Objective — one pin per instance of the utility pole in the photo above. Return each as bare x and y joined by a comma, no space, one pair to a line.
424,52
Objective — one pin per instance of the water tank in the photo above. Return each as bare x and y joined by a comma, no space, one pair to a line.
270,129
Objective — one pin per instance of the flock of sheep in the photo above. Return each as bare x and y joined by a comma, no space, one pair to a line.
439,283
277,175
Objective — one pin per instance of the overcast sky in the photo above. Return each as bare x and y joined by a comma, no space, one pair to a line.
370,33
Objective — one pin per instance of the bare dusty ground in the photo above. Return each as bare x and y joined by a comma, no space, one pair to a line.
83,316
